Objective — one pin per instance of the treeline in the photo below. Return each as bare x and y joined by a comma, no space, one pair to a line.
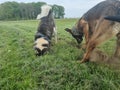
17,11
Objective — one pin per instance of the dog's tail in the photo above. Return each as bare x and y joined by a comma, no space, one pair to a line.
45,11
113,18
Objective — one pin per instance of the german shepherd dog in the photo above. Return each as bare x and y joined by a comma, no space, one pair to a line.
45,30
95,28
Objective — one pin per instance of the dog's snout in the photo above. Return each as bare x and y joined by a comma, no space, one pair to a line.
40,52
44,51
37,51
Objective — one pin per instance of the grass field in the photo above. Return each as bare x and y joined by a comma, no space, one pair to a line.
20,69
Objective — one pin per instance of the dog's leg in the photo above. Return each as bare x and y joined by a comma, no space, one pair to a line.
91,43
117,52
86,31
102,33
55,34
90,47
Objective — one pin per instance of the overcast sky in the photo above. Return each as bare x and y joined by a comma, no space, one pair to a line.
73,8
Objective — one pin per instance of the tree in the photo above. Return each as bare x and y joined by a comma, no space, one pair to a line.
61,12
15,11
58,11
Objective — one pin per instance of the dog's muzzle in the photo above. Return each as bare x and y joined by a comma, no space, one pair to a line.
39,52
41,46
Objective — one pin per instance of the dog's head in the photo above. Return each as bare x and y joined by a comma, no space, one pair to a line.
77,35
41,46
78,30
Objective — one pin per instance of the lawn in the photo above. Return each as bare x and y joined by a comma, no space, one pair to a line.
20,69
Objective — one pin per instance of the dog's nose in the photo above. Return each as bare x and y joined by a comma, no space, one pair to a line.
37,51
44,51
79,40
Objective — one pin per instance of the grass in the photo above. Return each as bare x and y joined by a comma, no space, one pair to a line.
20,69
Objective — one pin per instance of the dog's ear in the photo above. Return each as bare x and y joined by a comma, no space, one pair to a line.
68,30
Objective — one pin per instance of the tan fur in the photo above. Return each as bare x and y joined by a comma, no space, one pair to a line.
101,29
117,51
104,31
85,26
96,28
39,42
100,57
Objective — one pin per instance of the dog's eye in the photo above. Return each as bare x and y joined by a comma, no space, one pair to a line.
45,45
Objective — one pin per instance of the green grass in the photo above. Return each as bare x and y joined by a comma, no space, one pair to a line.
20,69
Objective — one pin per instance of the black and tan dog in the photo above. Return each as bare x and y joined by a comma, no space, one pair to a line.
45,30
95,28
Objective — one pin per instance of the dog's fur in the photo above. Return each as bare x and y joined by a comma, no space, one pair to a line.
98,56
45,30
113,18
117,19
95,28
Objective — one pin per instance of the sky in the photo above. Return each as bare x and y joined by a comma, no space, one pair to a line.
73,8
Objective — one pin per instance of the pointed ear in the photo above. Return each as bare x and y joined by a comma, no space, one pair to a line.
68,30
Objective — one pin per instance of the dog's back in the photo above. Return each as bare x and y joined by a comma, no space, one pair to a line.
98,12
47,24
113,18
101,29
89,22
104,8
